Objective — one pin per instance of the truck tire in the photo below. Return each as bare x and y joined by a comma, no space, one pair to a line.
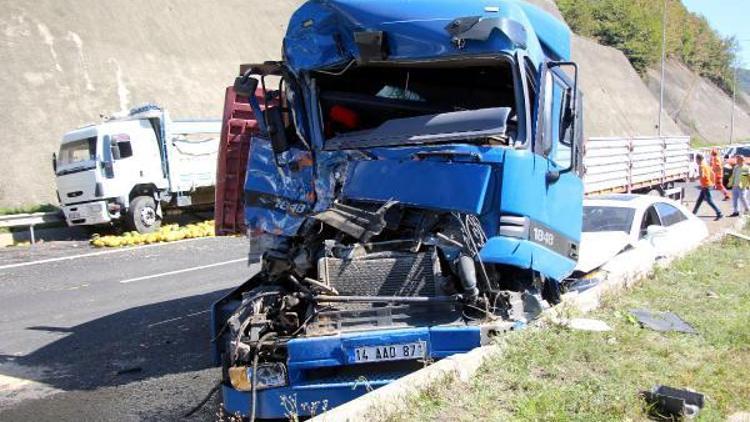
142,215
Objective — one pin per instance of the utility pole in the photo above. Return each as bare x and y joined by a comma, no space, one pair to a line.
734,100
663,63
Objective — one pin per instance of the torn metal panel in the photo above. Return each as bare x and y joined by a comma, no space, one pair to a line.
662,321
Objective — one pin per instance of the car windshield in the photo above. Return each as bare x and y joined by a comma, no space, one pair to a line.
743,151
607,219
77,151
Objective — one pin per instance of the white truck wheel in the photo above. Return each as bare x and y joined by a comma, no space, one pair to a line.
142,215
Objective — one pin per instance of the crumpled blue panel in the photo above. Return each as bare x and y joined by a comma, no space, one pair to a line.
315,38
277,199
320,33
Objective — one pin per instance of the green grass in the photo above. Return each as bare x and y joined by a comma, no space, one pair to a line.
25,209
561,374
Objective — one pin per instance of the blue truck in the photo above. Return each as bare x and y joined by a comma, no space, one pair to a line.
410,176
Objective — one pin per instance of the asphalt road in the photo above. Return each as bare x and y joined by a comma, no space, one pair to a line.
91,334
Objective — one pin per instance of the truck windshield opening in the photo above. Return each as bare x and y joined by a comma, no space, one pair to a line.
77,152
364,98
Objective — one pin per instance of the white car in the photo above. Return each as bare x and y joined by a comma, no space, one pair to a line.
656,226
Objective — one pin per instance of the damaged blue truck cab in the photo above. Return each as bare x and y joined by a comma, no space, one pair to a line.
414,187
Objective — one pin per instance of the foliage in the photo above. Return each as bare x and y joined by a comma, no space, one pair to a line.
635,28
28,209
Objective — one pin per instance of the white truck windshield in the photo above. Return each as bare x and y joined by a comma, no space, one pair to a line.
77,151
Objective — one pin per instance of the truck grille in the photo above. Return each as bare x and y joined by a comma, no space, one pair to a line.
381,274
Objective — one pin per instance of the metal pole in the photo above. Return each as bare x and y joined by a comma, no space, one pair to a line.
734,100
663,61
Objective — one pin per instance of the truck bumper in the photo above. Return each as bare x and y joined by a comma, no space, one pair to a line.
87,214
322,373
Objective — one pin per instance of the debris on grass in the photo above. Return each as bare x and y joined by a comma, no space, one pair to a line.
662,321
585,324
739,236
667,403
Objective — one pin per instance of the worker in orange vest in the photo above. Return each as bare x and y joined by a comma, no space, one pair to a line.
707,181
718,168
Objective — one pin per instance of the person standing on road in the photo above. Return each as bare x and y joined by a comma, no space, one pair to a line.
706,183
718,168
739,182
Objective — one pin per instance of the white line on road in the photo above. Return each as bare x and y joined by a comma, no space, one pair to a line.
184,270
107,252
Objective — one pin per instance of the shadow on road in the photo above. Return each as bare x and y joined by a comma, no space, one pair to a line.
141,342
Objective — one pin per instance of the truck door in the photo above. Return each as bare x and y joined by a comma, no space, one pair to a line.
557,140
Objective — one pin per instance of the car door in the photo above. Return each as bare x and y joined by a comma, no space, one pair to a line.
678,230
651,231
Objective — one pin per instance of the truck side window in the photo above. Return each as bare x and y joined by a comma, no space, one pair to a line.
561,120
126,150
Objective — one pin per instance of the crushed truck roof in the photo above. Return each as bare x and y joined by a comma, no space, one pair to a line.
329,33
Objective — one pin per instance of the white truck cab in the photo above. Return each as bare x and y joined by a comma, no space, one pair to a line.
131,168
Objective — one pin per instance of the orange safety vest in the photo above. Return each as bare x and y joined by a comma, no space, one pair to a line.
706,176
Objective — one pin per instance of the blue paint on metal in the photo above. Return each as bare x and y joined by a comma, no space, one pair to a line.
320,33
335,352
462,186
526,254
277,198
500,181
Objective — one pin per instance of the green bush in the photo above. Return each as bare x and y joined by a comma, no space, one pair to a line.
635,28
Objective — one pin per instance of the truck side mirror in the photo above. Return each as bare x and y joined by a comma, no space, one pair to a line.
54,162
568,134
245,85
115,148
276,132
108,159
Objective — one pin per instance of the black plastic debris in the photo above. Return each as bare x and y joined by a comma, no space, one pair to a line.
667,403
662,321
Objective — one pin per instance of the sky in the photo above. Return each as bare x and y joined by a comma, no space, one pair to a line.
729,17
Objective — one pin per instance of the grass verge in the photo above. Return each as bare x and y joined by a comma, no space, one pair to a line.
561,374
28,209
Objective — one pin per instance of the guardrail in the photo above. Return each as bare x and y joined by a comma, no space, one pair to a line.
31,220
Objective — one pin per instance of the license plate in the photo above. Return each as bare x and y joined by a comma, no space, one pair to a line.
75,215
366,354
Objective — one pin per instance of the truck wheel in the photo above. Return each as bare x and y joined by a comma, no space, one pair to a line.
142,216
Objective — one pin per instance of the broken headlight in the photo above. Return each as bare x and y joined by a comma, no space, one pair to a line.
269,375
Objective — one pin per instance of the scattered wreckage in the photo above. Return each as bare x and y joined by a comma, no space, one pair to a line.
411,173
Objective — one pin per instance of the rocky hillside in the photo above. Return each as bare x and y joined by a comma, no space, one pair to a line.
67,61
698,105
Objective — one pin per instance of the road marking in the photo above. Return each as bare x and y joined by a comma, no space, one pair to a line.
85,255
184,270
167,321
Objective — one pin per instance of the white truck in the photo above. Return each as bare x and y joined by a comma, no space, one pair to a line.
653,165
131,168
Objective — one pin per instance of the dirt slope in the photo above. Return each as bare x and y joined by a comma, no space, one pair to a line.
67,61
699,106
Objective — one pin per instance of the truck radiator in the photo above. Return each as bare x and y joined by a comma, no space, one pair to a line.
381,274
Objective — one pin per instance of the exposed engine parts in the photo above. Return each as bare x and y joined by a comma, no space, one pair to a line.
365,266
